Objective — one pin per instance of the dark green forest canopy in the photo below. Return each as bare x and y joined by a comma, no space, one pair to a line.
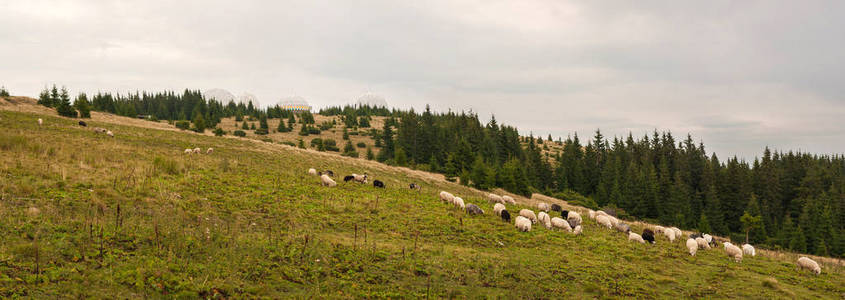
791,200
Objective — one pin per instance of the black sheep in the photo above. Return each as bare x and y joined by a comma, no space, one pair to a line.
506,216
564,214
648,235
82,123
415,186
348,178
696,235
378,184
329,172
556,207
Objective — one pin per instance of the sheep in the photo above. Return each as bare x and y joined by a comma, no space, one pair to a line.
458,202
327,181
544,219
692,245
377,183
702,243
678,232
696,235
561,223
523,224
733,251
312,171
556,207
444,195
473,209
348,178
592,214
603,220
40,122
189,151
748,250
659,229
508,199
613,220
360,178
506,216
543,206
197,150
328,172
209,151
622,227
564,214
574,218
498,208
529,214
577,230
708,238
415,186
109,133
809,264
670,234
648,235
82,123
493,198
601,213
633,236
99,130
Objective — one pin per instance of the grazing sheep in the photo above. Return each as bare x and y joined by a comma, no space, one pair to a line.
561,223
678,232
348,178
633,236
670,234
506,216
377,183
574,218
209,151
328,172
529,214
40,122
622,227
592,214
498,208
613,220
544,219
444,195
523,224
708,238
659,229
189,151
601,213
696,235
493,198
748,250
415,186
543,206
312,171
327,181
809,264
603,220
458,202
556,207
508,199
109,133
692,245
733,251
473,209
197,150
702,243
577,230
83,124
648,235
100,130
564,214
360,178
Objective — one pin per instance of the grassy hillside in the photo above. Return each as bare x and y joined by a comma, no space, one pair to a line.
85,215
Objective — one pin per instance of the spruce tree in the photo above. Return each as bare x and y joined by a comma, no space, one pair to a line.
82,105
370,154
44,98
64,108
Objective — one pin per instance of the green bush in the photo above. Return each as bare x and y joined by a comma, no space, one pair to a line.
219,131
289,143
261,131
361,145
184,125
239,133
330,145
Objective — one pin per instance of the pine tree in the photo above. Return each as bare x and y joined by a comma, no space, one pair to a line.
387,150
798,242
370,154
54,97
44,98
263,122
82,105
704,225
400,158
64,108
245,126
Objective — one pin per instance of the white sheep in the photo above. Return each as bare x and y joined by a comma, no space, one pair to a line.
543,206
529,214
360,178
708,238
561,223
678,232
197,150
692,245
498,208
446,197
459,202
327,181
702,243
209,151
601,213
544,219
312,172
109,133
577,230
670,234
748,250
574,218
809,264
659,229
523,223
592,214
603,220
493,198
189,151
633,236
40,122
733,251
508,199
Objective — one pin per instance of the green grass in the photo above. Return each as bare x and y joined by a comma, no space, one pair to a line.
248,222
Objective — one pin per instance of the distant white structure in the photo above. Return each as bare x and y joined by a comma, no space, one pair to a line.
246,98
294,103
220,95
371,100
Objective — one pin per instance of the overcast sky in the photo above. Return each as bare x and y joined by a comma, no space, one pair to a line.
737,75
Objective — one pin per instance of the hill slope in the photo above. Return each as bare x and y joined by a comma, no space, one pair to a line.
132,216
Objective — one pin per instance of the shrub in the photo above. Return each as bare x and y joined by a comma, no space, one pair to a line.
330,145
316,143
289,143
219,131
326,125
261,131
184,125
239,133
353,133
4,92
361,145
313,130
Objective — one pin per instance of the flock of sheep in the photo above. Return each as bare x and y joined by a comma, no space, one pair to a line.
198,151
83,124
